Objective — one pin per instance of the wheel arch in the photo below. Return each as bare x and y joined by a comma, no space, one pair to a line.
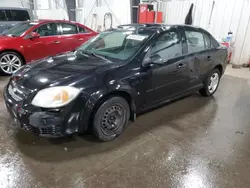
220,68
16,51
103,97
118,93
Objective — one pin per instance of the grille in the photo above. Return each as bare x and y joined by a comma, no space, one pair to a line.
53,130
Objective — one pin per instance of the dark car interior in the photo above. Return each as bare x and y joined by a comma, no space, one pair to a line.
47,30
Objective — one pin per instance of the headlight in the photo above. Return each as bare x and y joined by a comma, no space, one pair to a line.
55,97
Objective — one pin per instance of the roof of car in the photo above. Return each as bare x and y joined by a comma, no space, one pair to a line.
13,8
154,26
49,20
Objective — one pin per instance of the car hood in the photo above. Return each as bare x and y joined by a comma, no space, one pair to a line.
66,69
4,38
5,26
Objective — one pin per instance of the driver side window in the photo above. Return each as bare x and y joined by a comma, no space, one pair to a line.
47,30
168,45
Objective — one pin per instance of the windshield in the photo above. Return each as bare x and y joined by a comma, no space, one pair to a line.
19,29
119,44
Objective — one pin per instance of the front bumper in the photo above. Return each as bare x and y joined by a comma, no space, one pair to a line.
43,122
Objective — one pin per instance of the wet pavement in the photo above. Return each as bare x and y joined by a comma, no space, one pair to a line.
195,142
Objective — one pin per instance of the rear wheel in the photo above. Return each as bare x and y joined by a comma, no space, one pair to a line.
211,83
10,62
111,118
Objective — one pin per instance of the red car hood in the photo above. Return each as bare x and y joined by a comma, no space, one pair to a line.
6,38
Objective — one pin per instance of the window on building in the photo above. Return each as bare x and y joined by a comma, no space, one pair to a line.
19,15
3,16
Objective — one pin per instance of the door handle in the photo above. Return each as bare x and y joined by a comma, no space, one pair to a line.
81,39
209,58
180,66
56,42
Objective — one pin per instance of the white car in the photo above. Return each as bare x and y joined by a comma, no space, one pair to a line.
11,16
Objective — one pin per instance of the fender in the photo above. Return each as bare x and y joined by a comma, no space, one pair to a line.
18,51
97,96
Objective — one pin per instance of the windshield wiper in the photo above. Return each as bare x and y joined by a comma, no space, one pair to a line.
95,55
82,52
99,56
9,35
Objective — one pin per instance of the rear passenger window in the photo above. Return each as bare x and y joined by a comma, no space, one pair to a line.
69,29
195,41
215,43
207,41
3,16
168,45
19,15
82,30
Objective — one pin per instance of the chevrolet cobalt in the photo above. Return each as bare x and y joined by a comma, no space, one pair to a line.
111,78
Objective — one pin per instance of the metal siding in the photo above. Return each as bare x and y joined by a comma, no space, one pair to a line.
71,6
230,15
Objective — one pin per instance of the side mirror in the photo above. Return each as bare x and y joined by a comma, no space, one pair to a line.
155,59
34,35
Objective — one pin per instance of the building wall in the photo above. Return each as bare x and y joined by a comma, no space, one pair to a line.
230,15
14,3
92,14
51,9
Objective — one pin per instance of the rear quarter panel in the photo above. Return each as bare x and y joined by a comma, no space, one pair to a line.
220,57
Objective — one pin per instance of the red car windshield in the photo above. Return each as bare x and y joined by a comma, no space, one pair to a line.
19,29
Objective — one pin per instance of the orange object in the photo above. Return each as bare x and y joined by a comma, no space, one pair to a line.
230,53
159,17
143,10
150,17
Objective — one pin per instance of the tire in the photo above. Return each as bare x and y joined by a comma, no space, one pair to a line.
209,87
111,118
10,62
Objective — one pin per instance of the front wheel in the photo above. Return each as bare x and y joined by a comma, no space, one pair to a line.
10,62
111,118
211,83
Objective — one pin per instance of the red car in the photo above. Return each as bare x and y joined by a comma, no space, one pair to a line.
33,40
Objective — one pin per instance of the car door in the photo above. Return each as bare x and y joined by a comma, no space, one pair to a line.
69,41
48,44
172,76
199,54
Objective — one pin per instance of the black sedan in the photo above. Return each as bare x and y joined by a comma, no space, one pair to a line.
112,78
